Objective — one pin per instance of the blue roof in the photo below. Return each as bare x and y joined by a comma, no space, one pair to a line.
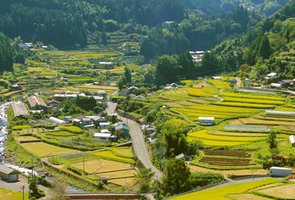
122,126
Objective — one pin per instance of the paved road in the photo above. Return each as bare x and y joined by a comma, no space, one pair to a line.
137,137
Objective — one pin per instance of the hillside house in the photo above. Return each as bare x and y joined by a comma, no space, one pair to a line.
56,120
170,86
107,65
103,125
287,83
122,129
232,81
206,120
8,174
132,88
98,99
19,109
123,93
54,104
184,157
37,103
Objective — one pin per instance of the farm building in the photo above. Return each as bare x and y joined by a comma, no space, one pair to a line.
132,88
279,171
104,137
107,65
279,113
8,174
232,81
292,140
184,157
37,103
19,109
56,120
206,120
98,99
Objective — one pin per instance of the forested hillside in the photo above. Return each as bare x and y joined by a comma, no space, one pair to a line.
75,23
268,48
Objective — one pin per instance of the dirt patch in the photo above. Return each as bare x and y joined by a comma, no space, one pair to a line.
126,181
226,172
285,191
235,122
237,133
187,103
247,197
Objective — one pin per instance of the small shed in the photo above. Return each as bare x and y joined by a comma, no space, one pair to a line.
279,171
123,129
232,81
103,125
184,157
292,140
8,174
56,120
206,120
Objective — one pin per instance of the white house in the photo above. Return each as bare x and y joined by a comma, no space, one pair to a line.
280,171
206,120
104,137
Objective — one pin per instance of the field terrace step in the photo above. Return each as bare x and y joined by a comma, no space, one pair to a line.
226,153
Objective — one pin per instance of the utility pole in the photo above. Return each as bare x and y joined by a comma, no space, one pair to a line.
23,188
83,163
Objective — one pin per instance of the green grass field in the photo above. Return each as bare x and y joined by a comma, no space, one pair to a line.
12,195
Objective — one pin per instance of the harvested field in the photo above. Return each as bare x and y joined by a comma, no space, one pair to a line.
241,154
241,172
119,174
285,191
100,166
173,104
276,118
26,138
236,122
43,149
236,133
222,161
125,181
216,143
247,197
187,103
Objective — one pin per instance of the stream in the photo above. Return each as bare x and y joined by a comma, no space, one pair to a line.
3,138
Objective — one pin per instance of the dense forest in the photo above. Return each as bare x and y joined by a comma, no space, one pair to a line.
74,23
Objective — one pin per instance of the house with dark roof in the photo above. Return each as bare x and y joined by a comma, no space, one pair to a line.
37,103
122,129
123,93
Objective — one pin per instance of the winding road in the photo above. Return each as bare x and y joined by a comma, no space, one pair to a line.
138,142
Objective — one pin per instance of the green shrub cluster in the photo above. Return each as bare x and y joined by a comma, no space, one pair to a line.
76,170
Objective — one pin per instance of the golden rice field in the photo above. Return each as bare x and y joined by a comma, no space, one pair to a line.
215,143
244,105
252,121
42,149
250,96
224,109
221,192
96,55
197,92
26,138
256,101
204,135
219,84
216,132
110,155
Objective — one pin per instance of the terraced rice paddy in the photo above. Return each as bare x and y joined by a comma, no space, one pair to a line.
204,135
245,105
256,101
250,134
252,121
42,149
111,156
197,92
283,192
219,193
220,84
250,96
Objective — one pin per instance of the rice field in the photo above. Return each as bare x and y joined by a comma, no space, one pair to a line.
256,101
12,195
204,135
219,84
251,96
197,92
42,149
124,152
221,192
280,192
110,155
215,143
252,121
244,105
